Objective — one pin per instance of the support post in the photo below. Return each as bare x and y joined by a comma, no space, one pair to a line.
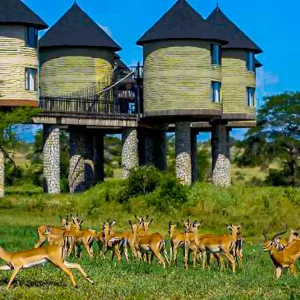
129,151
89,167
149,159
220,155
51,154
99,157
76,167
183,152
159,150
194,148
2,174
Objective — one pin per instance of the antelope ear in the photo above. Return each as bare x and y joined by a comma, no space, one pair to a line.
130,223
201,221
81,222
150,221
112,223
147,217
170,223
182,221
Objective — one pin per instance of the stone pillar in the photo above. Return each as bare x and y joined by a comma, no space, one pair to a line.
220,155
194,149
76,167
99,157
51,154
129,151
2,174
159,150
183,152
89,167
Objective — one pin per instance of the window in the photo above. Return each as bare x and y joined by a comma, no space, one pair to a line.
31,37
250,61
216,91
31,79
251,96
215,54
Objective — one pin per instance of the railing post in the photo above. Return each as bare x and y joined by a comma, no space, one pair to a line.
138,91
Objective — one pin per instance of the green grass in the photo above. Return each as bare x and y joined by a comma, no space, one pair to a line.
21,214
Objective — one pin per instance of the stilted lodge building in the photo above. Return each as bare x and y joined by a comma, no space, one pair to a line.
197,75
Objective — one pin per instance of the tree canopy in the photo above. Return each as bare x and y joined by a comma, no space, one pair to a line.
276,138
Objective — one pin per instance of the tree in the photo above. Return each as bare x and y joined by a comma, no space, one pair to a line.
276,137
9,136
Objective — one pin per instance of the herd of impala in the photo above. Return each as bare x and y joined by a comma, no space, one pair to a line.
71,238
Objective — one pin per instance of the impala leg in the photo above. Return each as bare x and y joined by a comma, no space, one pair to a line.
67,271
100,245
79,268
125,251
194,258
219,260
278,272
88,250
208,257
41,240
231,259
204,260
159,257
175,254
168,260
293,270
13,276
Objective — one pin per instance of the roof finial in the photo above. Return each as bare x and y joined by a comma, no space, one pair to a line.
217,4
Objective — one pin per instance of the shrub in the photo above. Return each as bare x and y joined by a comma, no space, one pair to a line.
143,180
171,193
108,172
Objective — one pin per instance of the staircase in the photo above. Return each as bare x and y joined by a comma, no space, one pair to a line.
117,95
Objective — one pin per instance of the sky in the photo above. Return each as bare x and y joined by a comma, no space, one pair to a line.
273,25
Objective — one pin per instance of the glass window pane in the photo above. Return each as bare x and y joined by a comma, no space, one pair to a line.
26,80
216,54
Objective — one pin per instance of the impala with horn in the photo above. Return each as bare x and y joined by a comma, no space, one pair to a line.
39,257
283,258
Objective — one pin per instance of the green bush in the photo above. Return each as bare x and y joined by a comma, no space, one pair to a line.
108,172
171,193
143,180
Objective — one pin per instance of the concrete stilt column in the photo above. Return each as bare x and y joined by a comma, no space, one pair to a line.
2,174
76,167
194,148
89,167
51,154
149,159
228,142
183,152
129,151
99,157
159,150
220,156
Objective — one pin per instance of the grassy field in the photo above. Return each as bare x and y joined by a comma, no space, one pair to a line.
20,215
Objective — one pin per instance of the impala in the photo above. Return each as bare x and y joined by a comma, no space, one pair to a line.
39,257
285,257
77,236
100,237
42,230
153,243
219,244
